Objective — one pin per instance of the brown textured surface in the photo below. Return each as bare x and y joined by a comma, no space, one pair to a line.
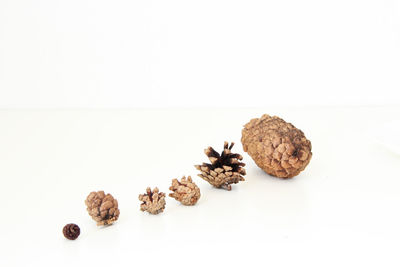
185,191
153,201
225,168
71,231
102,208
277,147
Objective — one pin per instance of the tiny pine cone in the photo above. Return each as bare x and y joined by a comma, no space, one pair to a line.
152,201
71,231
103,208
185,191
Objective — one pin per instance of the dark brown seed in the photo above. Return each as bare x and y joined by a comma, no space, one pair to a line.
71,231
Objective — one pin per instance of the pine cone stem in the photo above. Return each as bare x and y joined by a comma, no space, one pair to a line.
226,187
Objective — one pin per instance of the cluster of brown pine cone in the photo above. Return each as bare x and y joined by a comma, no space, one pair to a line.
277,147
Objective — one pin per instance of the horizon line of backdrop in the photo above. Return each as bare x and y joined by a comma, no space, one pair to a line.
210,53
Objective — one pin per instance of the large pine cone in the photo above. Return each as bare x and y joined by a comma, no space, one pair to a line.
225,168
277,147
102,208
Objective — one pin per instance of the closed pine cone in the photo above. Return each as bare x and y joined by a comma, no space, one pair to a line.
185,191
225,168
153,201
102,208
277,147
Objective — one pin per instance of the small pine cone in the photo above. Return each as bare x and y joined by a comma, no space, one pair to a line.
153,202
224,170
277,147
71,231
185,191
102,208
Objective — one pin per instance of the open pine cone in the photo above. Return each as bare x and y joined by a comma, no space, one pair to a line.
225,168
153,201
277,147
185,191
102,208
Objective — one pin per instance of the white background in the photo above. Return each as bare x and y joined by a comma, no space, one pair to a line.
127,53
343,210
329,67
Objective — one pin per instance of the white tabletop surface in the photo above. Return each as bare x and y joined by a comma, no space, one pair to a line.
343,210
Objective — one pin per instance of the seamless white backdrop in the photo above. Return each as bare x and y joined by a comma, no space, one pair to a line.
155,53
341,211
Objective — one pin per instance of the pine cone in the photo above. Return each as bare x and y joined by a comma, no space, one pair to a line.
185,191
103,208
71,231
277,147
153,202
224,170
